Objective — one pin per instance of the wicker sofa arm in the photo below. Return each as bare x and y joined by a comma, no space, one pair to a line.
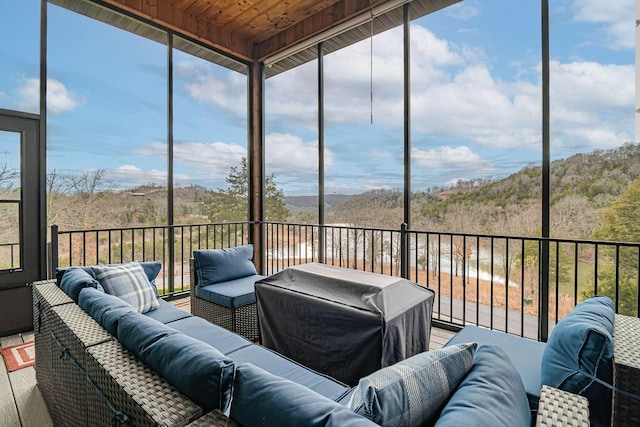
561,408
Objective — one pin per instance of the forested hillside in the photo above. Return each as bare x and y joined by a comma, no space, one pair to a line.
582,187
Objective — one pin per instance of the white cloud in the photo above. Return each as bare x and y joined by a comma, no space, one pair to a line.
2,94
59,98
207,161
464,10
617,18
224,88
451,159
290,155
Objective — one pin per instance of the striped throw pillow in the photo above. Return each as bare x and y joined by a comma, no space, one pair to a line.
411,392
129,283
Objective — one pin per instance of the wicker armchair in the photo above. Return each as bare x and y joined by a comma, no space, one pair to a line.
242,320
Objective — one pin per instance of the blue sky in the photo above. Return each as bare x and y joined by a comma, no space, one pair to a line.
476,95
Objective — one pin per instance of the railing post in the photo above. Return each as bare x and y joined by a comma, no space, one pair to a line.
543,292
53,252
404,251
172,261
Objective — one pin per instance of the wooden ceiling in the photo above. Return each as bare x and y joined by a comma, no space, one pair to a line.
254,29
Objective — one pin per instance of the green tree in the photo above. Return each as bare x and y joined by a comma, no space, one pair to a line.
231,204
621,222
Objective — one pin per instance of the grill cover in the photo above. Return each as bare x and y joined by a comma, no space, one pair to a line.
343,323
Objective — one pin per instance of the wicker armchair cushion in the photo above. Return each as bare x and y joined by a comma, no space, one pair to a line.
492,394
129,282
194,368
104,308
262,399
76,280
231,294
581,348
412,391
221,265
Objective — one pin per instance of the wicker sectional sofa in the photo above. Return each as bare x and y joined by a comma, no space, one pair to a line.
87,377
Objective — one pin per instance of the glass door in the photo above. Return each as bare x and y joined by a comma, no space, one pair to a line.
20,250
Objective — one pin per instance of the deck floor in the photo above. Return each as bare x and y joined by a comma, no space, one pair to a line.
21,403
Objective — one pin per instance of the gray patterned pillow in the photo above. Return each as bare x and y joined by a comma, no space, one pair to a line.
414,390
128,282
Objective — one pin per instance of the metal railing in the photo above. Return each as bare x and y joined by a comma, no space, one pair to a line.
173,245
487,280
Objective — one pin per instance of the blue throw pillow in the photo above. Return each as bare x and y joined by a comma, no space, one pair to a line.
220,265
580,348
76,280
410,392
194,368
152,269
261,399
492,394
104,308
128,282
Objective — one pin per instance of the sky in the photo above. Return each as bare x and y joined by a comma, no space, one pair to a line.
475,85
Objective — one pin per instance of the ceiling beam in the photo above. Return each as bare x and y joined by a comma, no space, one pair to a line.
169,15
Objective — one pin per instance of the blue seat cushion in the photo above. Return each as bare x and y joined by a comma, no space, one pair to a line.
166,312
524,354
221,265
231,294
492,394
411,391
281,366
194,368
104,308
580,349
76,280
220,338
261,399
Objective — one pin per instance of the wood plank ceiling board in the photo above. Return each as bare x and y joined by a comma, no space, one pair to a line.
244,29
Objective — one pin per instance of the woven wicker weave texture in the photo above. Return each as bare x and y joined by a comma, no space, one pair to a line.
559,408
626,370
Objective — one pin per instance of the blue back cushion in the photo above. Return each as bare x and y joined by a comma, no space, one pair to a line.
194,368
76,280
220,265
261,399
104,308
151,269
491,394
581,347
411,391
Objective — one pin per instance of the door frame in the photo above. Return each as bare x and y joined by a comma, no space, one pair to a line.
15,290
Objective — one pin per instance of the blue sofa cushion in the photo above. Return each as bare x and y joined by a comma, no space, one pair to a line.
194,368
492,394
104,308
262,399
412,391
151,269
231,294
221,265
167,312
129,282
524,354
76,280
222,339
580,348
281,366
